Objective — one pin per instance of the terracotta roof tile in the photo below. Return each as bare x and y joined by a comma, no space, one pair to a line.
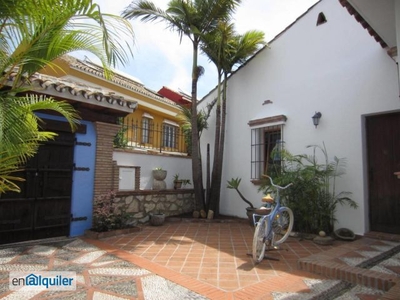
363,22
72,90
123,81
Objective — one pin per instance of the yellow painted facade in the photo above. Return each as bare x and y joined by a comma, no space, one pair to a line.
153,125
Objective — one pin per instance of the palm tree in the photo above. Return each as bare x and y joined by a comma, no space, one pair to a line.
32,34
185,117
193,19
226,49
20,134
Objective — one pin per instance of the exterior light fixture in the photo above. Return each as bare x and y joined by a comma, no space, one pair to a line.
315,118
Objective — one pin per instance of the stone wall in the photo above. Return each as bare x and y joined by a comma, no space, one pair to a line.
139,204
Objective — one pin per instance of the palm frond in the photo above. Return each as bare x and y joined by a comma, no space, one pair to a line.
20,132
8,165
34,41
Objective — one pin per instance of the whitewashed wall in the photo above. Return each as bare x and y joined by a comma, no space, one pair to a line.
336,68
147,162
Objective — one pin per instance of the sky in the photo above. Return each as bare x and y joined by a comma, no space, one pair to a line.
161,59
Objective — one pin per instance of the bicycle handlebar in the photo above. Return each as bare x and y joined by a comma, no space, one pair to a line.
277,186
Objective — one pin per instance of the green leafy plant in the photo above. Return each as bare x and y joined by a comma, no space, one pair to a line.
106,215
180,182
120,140
186,182
313,196
234,184
33,34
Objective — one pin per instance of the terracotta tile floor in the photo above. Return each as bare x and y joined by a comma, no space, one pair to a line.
216,253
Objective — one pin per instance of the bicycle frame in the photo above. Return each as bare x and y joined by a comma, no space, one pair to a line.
271,216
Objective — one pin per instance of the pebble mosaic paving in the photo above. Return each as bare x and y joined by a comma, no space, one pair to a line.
99,274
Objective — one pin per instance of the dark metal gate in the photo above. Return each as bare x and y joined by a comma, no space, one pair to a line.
43,208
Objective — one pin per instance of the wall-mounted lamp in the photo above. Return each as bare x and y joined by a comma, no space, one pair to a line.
315,118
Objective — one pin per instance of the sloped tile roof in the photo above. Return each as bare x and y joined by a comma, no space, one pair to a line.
76,91
128,83
363,22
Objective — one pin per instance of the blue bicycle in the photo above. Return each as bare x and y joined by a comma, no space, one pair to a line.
272,229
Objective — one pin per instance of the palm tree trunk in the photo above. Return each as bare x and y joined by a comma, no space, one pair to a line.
217,178
222,140
197,173
215,187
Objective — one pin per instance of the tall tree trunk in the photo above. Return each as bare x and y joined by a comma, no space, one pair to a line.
197,173
215,190
222,139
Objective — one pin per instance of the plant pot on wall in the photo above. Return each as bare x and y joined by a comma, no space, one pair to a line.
177,184
159,174
158,179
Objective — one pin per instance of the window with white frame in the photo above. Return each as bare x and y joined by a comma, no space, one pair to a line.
266,143
170,133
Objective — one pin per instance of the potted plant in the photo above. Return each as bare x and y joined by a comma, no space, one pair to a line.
251,210
157,219
185,182
159,174
313,197
177,182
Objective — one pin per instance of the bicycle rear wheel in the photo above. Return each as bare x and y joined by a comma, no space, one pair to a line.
282,225
258,241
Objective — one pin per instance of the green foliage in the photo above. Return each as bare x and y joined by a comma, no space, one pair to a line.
176,177
183,181
184,117
120,139
107,215
21,134
234,184
186,182
313,197
32,35
8,165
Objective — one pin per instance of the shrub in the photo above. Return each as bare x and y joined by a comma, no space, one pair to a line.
312,197
106,215
120,139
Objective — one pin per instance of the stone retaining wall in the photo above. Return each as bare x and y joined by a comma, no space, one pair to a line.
139,204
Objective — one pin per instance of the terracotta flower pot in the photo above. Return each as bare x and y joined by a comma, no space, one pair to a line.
177,184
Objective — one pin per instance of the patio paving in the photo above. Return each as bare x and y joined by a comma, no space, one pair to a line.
214,253
189,260
212,259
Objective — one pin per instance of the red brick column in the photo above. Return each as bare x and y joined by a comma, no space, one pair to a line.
104,174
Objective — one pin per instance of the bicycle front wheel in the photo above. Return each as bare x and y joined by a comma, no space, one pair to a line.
258,241
282,225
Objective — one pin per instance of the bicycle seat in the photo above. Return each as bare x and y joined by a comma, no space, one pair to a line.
268,199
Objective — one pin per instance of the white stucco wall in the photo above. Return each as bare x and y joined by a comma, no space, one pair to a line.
173,165
336,68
